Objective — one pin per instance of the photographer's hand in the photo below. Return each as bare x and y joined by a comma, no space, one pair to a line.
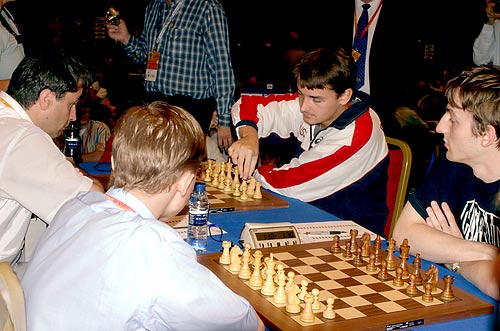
118,32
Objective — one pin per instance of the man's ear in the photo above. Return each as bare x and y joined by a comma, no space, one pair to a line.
489,136
186,183
345,97
46,99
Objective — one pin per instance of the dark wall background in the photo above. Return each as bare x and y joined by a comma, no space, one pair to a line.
258,30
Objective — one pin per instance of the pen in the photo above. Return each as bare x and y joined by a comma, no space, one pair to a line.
324,233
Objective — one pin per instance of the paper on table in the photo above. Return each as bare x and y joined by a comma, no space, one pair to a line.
180,224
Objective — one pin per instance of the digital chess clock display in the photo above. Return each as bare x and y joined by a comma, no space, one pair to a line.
271,236
288,234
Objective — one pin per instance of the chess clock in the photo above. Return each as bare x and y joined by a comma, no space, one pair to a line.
260,235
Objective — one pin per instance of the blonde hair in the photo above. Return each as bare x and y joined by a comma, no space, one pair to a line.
153,145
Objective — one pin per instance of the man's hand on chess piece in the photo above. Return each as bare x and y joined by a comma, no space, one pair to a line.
245,151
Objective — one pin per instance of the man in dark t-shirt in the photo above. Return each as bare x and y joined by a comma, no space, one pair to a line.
453,217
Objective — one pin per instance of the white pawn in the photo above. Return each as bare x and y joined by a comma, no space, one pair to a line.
225,257
237,192
257,194
316,305
329,313
303,289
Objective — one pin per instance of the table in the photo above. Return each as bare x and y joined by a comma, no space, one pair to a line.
299,212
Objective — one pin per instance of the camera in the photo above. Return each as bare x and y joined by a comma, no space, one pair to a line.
113,16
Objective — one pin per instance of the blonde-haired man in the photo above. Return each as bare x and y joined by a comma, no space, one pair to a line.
128,270
453,218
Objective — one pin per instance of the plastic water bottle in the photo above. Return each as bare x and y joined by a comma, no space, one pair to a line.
198,218
72,142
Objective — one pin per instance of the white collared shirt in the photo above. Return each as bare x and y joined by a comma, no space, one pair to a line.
102,267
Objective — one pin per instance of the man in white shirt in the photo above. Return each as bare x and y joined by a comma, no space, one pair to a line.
107,263
35,177
11,51
486,48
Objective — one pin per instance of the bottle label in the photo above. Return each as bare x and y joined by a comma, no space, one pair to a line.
198,218
72,143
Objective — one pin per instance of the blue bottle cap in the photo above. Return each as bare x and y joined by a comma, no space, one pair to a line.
200,187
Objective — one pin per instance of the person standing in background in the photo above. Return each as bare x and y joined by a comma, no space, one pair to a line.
11,49
391,53
185,47
35,177
486,47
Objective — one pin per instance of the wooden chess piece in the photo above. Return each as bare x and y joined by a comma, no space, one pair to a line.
347,252
225,258
207,177
378,251
427,296
251,186
404,260
227,187
358,259
235,264
293,302
222,180
307,314
269,288
256,277
366,245
417,262
316,305
354,240
336,245
432,277
329,313
412,290
257,194
391,260
280,294
245,271
237,191
383,274
303,289
398,281
290,280
371,266
447,294
215,181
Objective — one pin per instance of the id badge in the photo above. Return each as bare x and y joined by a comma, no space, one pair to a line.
152,66
356,55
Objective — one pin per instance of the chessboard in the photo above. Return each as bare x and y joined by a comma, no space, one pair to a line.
223,199
344,294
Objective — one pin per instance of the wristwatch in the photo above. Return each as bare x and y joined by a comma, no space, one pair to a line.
455,267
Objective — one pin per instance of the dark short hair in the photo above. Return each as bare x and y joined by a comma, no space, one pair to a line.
56,72
334,69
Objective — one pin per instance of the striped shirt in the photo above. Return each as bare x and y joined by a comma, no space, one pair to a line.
195,54
96,133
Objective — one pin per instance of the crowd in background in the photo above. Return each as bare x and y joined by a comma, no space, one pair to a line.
266,39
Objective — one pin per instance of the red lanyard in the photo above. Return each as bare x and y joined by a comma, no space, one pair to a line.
365,30
119,203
